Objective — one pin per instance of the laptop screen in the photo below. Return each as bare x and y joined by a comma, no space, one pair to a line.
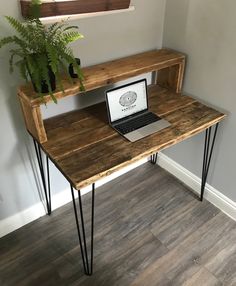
127,100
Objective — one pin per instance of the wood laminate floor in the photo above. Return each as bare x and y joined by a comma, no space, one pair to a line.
149,230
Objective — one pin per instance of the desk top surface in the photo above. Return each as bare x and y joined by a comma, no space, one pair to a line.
85,148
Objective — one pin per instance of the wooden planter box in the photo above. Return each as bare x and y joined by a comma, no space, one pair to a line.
75,7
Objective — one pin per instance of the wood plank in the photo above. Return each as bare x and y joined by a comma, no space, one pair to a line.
183,262
223,263
202,277
116,152
74,7
75,130
173,228
110,72
172,77
72,117
33,120
163,101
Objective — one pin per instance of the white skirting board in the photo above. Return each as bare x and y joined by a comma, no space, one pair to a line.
222,202
36,211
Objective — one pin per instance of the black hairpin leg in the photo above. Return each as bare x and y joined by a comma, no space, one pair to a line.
207,156
45,182
88,265
153,159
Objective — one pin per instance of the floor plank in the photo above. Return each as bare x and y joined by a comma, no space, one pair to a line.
203,277
149,230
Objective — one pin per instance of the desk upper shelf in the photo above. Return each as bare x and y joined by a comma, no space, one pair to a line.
111,72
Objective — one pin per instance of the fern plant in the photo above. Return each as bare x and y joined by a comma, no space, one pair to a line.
39,51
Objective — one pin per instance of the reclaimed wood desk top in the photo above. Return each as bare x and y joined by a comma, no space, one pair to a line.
85,148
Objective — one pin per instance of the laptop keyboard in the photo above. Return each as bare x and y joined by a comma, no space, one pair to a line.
136,123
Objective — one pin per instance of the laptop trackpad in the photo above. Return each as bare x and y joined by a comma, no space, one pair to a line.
147,130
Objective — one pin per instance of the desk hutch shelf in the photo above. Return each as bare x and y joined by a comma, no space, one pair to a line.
168,63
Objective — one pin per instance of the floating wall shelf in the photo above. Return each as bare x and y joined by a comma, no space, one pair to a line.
51,8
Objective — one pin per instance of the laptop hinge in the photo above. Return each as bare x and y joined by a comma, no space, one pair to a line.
130,117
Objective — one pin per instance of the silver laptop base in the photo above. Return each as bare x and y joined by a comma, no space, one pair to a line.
147,130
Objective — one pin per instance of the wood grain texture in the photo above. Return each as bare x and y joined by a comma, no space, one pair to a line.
33,120
75,7
75,130
172,77
203,277
86,149
129,250
110,72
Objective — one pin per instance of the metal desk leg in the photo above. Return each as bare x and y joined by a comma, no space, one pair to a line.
153,159
46,184
88,267
207,156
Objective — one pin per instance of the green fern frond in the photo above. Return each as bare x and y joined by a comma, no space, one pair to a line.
39,25
13,54
11,61
59,82
80,76
22,44
52,57
70,37
35,9
67,53
53,27
18,26
31,67
45,74
70,28
23,69
6,41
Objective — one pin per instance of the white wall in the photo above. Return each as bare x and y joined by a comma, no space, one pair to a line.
106,38
205,30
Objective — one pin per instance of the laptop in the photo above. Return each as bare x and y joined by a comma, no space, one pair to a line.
128,112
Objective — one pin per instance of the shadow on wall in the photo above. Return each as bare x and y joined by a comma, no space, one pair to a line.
180,12
16,143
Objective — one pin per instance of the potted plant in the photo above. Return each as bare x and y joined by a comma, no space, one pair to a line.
41,53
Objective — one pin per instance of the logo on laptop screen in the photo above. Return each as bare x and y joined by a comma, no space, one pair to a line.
128,99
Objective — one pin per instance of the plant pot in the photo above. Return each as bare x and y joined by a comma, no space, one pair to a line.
44,86
71,69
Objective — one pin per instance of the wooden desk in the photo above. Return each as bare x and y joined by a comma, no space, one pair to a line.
85,148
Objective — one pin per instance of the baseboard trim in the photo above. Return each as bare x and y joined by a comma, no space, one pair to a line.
222,202
36,211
